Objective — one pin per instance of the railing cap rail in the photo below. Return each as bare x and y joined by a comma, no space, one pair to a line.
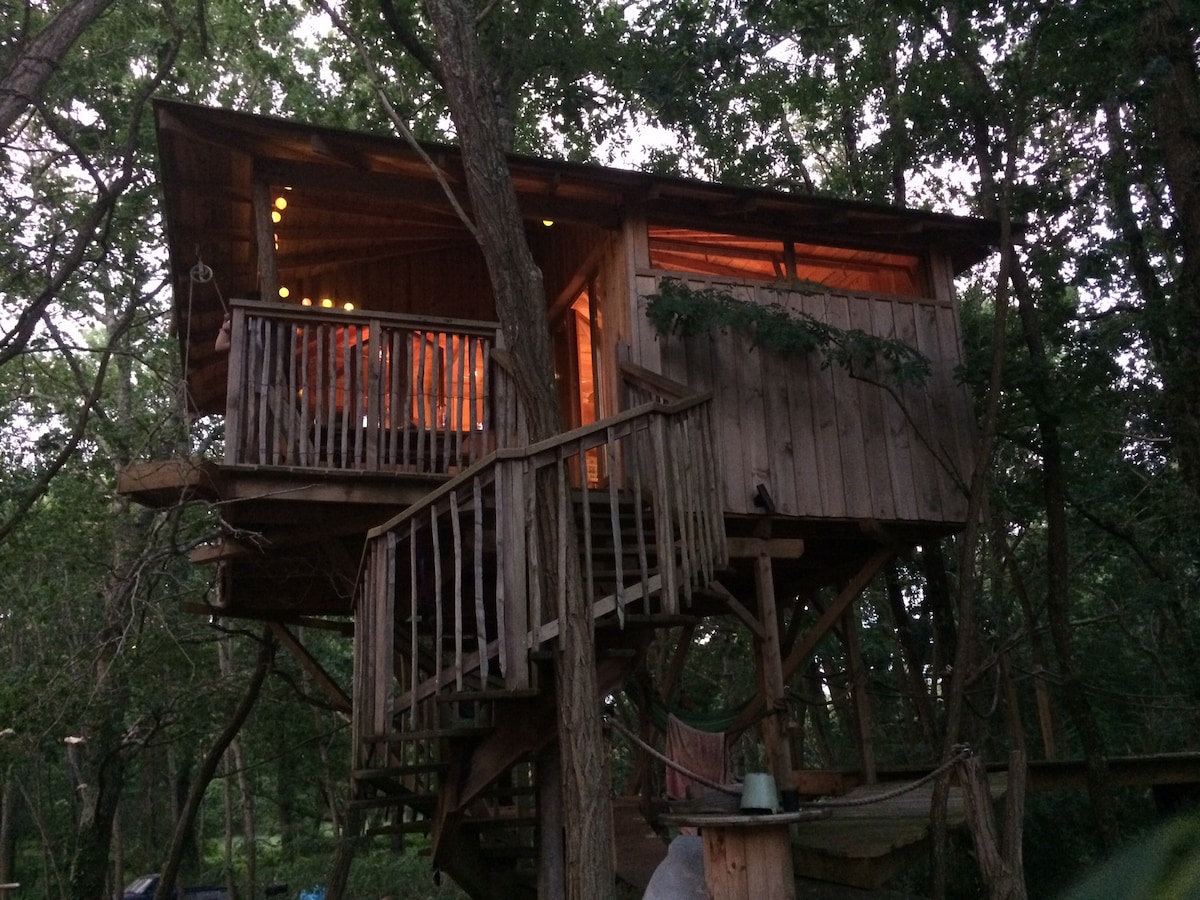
364,316
532,450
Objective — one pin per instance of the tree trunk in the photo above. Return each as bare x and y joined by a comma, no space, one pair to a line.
1166,49
249,829
1000,862
475,99
21,87
212,759
1058,573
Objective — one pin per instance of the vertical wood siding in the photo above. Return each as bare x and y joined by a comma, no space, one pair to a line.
825,443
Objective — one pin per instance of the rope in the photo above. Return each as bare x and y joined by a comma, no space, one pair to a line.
662,757
960,754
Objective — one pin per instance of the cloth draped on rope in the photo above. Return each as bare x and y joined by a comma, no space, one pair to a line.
702,752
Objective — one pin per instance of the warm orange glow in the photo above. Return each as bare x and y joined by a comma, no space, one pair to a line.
307,301
281,203
276,217
348,307
447,374
327,303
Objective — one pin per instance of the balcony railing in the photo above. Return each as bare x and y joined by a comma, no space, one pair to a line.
329,389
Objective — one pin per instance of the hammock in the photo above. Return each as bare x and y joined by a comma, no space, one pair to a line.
659,710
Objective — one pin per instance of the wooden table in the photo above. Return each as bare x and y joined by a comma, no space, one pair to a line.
747,857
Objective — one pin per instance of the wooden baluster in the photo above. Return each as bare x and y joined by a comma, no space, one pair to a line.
424,401
589,578
614,511
664,537
506,556
439,625
533,550
331,397
414,619
305,399
639,524
375,378
474,345
262,397
396,358
412,385
291,400
456,530
237,389
480,608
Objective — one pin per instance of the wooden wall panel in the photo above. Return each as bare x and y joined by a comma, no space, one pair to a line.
826,444
453,283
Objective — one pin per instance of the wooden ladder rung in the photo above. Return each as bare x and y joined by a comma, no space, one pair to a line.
398,771
418,827
501,822
402,737
483,696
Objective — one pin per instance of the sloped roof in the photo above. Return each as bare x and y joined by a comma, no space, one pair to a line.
210,158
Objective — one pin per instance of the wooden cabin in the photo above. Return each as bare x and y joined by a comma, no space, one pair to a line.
334,311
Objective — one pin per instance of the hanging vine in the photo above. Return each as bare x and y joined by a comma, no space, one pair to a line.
678,309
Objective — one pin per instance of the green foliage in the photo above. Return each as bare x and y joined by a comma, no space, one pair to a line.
678,309
1164,866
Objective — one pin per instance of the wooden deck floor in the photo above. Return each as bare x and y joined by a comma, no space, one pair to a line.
864,846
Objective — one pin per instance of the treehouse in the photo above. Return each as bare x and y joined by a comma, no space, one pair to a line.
335,316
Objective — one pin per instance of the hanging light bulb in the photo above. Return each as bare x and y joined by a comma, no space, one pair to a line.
327,303
547,222
284,293
281,203
276,217
307,301
348,307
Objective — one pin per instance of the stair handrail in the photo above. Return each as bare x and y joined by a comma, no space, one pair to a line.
658,467
540,449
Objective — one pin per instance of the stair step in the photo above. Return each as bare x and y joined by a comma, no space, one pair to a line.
419,827
501,822
398,771
402,737
509,852
482,696
414,801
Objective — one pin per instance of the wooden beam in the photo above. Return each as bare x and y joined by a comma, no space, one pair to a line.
309,664
748,619
776,548
804,649
770,665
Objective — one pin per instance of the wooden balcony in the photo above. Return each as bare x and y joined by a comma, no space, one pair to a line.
331,390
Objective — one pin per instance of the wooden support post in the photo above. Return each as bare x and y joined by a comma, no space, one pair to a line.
804,649
264,237
551,859
862,703
770,664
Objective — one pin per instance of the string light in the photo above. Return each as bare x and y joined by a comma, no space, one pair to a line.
284,292
307,301
281,203
276,217
327,303
348,307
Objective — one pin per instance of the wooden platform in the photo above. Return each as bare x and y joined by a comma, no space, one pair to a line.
865,846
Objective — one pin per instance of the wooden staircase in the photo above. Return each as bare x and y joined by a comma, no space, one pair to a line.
454,704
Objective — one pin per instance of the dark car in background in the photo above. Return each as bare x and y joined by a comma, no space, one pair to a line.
144,888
